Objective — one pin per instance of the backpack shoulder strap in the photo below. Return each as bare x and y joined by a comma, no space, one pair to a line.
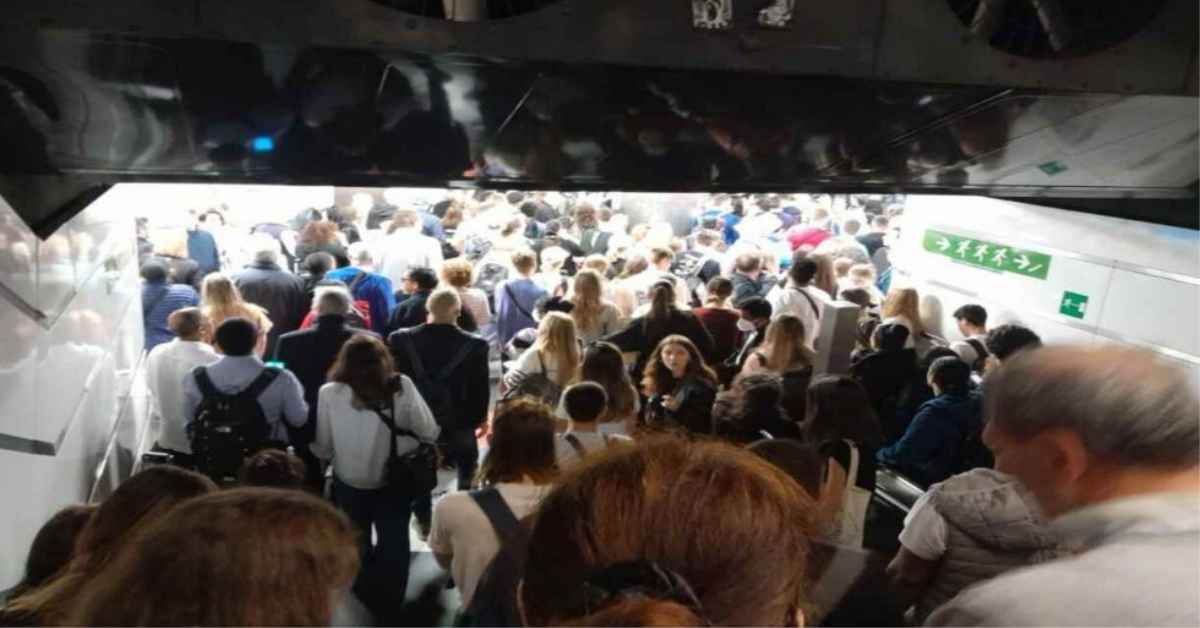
260,383
458,358
573,440
517,304
413,357
503,521
812,302
981,351
205,383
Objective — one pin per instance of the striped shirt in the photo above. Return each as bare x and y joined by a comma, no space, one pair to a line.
160,300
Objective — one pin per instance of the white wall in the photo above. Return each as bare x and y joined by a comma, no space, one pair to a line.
67,381
1142,280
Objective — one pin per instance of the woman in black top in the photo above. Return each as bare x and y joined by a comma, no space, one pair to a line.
680,386
751,410
663,320
839,420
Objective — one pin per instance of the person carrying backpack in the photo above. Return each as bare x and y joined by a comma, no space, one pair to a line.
450,369
474,529
236,406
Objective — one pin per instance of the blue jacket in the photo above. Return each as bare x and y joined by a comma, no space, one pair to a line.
931,449
375,289
202,248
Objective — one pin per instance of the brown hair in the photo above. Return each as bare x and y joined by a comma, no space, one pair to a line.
319,232
453,216
365,365
733,526
274,468
836,408
904,302
824,279
658,254
457,272
249,556
657,378
587,294
137,503
785,344
719,290
748,262
524,261
53,546
522,444
603,364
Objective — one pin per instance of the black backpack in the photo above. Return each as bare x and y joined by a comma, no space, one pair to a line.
981,355
494,602
434,387
229,427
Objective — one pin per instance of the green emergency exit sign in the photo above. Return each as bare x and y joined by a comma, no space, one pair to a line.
993,256
1073,304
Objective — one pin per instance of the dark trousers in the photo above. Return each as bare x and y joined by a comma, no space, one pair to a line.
462,450
383,575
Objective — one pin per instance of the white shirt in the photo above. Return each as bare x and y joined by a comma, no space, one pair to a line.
591,442
925,531
357,440
608,321
404,250
461,530
167,366
788,300
965,351
530,362
475,301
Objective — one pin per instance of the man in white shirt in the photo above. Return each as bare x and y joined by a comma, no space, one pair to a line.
800,299
166,368
585,404
1107,439
407,248
972,323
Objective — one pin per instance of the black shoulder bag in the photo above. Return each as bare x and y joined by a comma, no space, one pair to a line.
415,471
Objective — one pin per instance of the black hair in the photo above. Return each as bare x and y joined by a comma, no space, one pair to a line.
755,307
514,197
319,263
154,271
425,278
273,468
548,304
936,354
972,313
1006,340
585,402
857,296
529,208
952,375
803,269
237,336
892,336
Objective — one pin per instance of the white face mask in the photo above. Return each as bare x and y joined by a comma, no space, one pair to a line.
746,326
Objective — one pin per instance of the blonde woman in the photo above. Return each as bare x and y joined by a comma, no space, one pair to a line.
555,354
902,307
221,300
784,348
594,316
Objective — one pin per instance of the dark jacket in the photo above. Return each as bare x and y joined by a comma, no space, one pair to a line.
744,287
279,292
470,382
412,312
309,353
695,412
336,249
748,428
888,376
635,338
931,448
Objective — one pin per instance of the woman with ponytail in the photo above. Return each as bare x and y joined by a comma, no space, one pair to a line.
622,541
644,333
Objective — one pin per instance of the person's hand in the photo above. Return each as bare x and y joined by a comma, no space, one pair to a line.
671,402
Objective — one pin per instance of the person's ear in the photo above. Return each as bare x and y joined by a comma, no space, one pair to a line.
1068,454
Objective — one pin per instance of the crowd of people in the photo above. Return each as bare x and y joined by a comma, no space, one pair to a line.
659,447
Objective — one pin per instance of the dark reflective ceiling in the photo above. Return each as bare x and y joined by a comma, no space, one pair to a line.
79,112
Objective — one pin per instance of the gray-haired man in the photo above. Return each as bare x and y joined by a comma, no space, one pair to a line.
1108,441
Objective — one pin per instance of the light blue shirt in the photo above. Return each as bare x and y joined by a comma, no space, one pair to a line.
283,399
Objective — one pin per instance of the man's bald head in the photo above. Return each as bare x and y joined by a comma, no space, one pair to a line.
1127,405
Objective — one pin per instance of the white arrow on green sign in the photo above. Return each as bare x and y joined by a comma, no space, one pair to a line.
1073,304
990,255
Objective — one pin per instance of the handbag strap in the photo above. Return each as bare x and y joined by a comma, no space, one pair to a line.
573,440
517,304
